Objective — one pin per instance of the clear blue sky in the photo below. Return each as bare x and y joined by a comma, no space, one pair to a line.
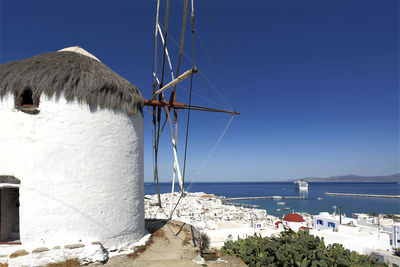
316,82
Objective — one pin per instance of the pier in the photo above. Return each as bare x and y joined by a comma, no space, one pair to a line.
362,195
266,197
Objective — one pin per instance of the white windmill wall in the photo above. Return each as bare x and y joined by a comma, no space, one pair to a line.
81,172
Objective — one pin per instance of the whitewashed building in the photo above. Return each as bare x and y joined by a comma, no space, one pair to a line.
293,221
71,161
324,221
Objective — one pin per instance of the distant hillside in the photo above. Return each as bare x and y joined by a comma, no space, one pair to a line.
395,178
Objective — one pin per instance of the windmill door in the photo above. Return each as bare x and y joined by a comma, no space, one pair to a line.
9,212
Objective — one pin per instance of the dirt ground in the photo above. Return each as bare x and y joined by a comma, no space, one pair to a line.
170,245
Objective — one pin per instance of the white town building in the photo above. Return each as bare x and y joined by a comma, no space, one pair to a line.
71,161
324,221
293,221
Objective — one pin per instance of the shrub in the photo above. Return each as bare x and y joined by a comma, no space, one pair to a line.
397,251
374,214
293,249
205,241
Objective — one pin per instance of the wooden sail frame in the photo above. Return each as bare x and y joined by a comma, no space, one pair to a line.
175,105
161,104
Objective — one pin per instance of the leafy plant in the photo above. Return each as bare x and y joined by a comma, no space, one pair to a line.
293,249
396,251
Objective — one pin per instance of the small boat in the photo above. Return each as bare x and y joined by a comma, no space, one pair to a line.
281,203
301,185
278,209
319,198
286,208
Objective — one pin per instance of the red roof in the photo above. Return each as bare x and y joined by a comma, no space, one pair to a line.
293,217
277,223
303,228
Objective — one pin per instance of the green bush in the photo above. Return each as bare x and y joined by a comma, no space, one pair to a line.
397,251
293,249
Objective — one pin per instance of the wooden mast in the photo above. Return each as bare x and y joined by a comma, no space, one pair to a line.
161,103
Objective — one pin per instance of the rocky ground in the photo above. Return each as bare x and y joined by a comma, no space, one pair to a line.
170,245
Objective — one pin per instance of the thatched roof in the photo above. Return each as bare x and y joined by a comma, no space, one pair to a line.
73,75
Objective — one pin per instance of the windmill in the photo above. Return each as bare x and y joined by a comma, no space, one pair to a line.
160,104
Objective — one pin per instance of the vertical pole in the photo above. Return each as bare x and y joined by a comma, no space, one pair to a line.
340,215
156,176
156,136
159,96
174,146
156,153
190,97
154,109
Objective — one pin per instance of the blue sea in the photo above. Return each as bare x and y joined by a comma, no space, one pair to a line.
310,204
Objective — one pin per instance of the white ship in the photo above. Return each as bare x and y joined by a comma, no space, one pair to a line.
301,185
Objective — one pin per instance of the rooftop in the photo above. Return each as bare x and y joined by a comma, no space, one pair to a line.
74,73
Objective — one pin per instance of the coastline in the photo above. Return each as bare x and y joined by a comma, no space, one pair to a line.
315,199
221,221
210,214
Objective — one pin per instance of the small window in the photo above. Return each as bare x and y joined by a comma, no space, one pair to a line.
331,224
27,102
320,222
26,99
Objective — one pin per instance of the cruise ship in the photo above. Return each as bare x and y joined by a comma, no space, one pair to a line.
301,185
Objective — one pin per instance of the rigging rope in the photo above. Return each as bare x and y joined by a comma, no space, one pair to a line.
203,165
213,87
160,98
165,43
200,96
211,153
203,48
216,94
215,72
174,98
192,17
215,28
